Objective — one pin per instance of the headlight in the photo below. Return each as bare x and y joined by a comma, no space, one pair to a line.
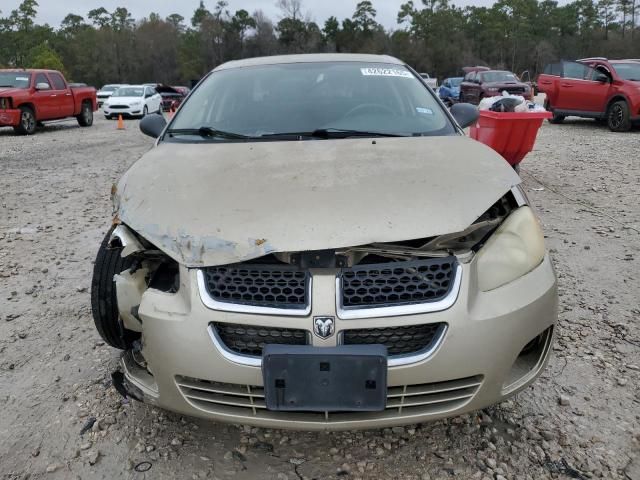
514,249
136,104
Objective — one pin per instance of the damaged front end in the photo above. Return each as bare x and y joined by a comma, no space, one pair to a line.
202,333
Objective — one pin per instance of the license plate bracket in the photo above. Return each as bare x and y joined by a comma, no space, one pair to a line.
346,378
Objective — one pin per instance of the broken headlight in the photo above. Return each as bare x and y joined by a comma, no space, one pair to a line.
514,249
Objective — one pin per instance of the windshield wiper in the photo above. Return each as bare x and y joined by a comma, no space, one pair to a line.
333,133
207,132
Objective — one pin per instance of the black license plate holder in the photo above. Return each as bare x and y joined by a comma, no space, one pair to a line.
346,378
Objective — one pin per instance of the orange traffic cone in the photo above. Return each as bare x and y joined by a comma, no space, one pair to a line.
120,122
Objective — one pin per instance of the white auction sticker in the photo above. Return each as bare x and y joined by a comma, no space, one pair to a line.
385,72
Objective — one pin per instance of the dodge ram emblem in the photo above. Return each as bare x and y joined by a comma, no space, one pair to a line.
323,326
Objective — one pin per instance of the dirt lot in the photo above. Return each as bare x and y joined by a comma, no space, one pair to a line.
580,420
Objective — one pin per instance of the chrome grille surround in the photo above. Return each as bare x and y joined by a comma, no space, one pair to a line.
444,299
300,308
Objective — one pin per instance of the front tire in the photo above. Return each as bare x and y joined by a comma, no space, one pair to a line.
28,122
85,119
555,119
104,303
145,111
618,119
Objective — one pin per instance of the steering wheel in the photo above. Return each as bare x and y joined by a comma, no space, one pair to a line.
368,106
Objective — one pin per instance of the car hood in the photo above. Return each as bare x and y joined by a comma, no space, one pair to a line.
124,100
502,84
11,90
212,204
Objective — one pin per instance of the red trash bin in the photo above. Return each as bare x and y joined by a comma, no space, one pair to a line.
511,134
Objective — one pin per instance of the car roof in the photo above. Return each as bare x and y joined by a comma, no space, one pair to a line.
28,70
497,71
309,58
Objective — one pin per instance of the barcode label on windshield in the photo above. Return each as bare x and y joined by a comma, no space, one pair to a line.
385,72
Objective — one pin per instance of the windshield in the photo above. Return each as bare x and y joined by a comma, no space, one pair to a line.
498,77
15,79
271,100
628,71
109,88
455,82
129,92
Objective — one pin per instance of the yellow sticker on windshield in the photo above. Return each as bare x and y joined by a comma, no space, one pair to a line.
385,72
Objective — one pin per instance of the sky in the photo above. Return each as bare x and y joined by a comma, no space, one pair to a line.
53,11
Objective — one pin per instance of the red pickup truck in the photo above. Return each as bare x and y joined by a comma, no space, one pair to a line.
607,90
30,97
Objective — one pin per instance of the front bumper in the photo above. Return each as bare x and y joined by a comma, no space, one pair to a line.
10,117
125,112
476,364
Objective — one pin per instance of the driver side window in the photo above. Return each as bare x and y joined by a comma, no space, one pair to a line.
42,78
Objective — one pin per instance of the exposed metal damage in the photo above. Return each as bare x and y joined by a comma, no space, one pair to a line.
320,201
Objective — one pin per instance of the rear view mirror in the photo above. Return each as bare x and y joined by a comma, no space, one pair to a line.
465,114
153,125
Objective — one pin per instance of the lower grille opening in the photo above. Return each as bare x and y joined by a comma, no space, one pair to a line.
250,340
530,360
402,401
402,340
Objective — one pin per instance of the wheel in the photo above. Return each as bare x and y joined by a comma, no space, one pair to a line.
85,119
555,119
516,167
618,117
107,117
104,304
27,122
145,111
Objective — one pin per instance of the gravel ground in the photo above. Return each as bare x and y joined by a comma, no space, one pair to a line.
580,420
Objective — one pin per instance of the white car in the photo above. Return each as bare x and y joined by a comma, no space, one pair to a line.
432,82
133,101
106,91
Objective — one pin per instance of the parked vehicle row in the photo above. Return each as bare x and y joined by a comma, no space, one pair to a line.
606,90
30,97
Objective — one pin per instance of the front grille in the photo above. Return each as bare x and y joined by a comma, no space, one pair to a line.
402,340
259,285
250,340
397,283
514,90
404,400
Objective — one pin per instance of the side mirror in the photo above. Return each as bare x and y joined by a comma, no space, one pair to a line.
465,114
601,77
153,125
43,86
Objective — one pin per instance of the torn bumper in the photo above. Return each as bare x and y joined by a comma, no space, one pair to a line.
476,364
9,118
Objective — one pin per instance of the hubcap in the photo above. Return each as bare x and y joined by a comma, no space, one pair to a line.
616,115
27,121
